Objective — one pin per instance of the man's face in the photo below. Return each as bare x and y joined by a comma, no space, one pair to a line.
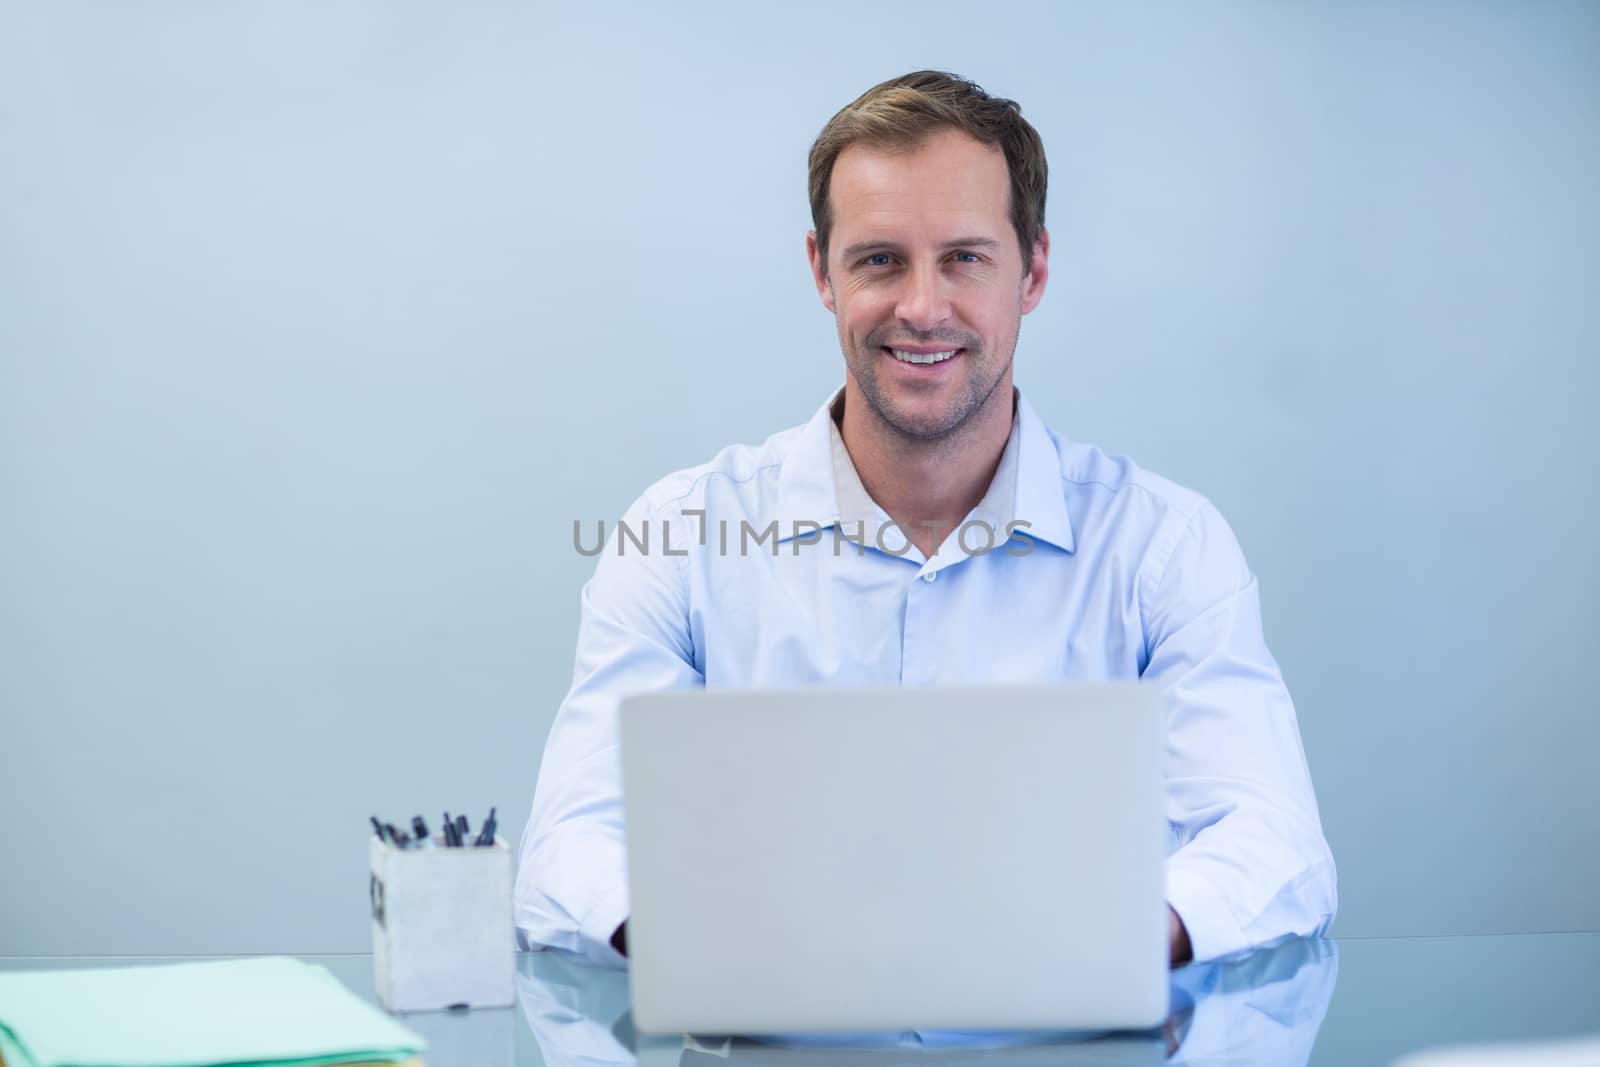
923,262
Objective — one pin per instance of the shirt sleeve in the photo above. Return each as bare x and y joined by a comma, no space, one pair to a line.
1251,866
633,637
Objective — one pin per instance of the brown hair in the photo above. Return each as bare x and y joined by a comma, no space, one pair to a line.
900,113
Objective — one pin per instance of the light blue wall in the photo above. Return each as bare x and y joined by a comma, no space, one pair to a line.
320,323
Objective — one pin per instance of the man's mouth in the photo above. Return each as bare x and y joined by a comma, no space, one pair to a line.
922,358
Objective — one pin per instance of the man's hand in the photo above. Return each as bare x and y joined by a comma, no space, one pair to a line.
1177,939
619,940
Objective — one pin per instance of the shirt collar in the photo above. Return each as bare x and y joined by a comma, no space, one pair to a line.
855,505
819,484
1041,501
806,494
997,508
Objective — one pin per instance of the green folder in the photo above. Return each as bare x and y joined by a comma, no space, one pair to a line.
261,1011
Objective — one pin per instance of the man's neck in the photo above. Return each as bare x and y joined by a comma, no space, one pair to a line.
928,482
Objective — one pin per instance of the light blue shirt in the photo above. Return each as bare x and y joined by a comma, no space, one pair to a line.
771,566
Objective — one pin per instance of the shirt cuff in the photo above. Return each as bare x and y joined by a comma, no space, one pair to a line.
596,928
1213,931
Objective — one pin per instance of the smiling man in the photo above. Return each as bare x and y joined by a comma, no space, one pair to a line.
916,255
926,528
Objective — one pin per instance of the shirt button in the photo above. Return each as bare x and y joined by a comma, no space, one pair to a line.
930,576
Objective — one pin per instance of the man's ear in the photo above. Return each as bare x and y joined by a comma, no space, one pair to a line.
1038,273
819,272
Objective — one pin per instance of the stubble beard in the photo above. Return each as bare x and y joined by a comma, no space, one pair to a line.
945,427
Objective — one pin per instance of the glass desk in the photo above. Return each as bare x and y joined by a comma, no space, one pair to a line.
1351,1001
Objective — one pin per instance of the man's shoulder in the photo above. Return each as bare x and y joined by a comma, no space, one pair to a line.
1098,480
1133,516
747,471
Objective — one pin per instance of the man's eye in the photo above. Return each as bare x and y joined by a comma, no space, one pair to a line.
967,257
879,260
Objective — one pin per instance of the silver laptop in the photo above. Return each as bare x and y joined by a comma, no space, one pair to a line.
842,860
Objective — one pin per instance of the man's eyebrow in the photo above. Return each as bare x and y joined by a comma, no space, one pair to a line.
863,247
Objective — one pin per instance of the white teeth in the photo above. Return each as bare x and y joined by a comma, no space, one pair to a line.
931,357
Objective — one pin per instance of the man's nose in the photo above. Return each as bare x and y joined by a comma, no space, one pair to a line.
924,304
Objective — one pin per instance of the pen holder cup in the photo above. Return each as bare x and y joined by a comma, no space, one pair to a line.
441,926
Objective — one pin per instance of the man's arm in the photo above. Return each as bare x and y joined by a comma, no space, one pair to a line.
1252,865
633,637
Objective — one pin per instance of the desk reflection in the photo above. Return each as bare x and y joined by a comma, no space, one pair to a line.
1264,1008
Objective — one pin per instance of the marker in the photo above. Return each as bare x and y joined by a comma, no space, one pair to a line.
450,840
420,828
486,836
462,832
394,835
377,827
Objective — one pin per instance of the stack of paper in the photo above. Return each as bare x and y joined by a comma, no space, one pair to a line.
264,1011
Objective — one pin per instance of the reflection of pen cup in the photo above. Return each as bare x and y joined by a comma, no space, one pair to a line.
441,926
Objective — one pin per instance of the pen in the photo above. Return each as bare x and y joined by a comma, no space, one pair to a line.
462,831
486,835
450,840
420,828
394,835
377,827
